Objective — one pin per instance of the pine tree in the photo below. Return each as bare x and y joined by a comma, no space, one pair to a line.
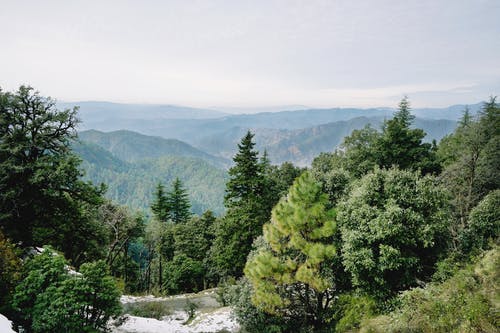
160,206
248,207
245,176
402,146
288,274
178,203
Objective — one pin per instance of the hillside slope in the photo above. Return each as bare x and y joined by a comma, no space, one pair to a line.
133,183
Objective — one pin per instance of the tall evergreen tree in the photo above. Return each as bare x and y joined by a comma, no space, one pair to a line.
160,206
248,208
178,203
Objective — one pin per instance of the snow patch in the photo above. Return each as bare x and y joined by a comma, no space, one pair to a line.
5,325
216,321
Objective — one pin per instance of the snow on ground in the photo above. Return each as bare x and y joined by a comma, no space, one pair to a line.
210,316
215,321
5,325
148,298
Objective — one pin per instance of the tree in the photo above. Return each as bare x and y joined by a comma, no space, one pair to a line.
122,229
178,203
484,224
394,227
471,156
360,154
50,299
402,146
248,207
160,206
289,274
43,200
396,145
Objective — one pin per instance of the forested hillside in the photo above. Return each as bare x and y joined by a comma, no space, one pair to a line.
132,183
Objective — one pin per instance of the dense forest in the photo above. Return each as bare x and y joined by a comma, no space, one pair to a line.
388,233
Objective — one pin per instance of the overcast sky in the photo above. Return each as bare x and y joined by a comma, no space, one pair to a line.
254,53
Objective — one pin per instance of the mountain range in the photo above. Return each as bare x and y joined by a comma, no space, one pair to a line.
133,147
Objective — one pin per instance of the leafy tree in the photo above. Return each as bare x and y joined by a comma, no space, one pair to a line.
39,273
183,274
282,177
289,275
251,318
360,154
178,203
394,226
122,229
10,269
195,237
50,299
81,303
484,224
471,156
43,200
396,145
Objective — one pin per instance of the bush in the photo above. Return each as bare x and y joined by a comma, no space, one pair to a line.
49,299
484,224
351,310
147,309
10,272
467,302
183,274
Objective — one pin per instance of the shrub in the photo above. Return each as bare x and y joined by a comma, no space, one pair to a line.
49,299
147,309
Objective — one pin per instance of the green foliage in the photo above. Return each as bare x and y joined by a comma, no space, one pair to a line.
484,224
289,275
133,184
178,203
394,228
351,310
248,202
10,269
396,145
472,158
467,302
401,146
160,205
43,200
252,319
50,299
147,309
361,154
183,274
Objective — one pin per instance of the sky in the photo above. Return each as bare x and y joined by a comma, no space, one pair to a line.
250,54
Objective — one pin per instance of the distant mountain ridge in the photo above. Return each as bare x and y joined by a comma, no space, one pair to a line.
100,110
131,146
300,146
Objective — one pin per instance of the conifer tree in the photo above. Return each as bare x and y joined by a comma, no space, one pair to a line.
289,275
178,203
248,208
402,146
160,206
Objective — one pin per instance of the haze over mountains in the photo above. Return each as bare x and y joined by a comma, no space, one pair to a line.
295,136
132,147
